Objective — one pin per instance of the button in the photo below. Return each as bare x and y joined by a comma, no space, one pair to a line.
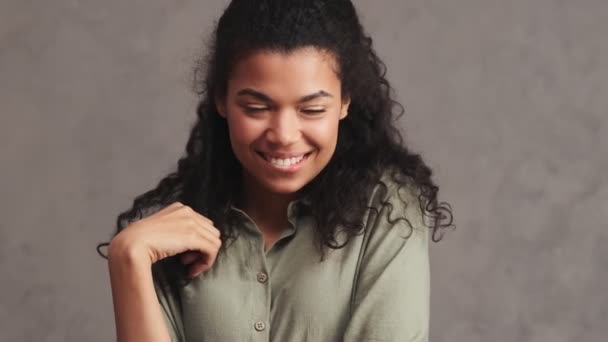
259,325
262,277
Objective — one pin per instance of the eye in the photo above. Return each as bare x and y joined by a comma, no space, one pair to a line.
250,109
313,111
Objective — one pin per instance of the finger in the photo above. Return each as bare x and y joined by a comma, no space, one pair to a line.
209,244
198,267
208,247
192,225
204,222
189,257
198,239
209,227
191,211
171,208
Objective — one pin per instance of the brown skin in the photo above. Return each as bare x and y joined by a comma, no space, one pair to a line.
281,104
173,230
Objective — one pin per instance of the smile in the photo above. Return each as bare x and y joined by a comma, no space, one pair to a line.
291,163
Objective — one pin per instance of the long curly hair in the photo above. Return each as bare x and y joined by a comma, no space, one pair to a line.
208,176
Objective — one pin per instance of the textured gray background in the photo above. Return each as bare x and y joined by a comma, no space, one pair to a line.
506,99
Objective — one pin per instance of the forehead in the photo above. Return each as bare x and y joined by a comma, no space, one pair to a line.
297,72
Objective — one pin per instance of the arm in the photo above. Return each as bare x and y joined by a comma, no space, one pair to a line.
137,312
174,230
392,290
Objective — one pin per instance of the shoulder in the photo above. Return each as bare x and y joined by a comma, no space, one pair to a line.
394,224
395,239
396,198
391,294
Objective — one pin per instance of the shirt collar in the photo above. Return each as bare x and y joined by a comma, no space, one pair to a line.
295,209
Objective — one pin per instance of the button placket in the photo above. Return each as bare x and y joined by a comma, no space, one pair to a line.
260,281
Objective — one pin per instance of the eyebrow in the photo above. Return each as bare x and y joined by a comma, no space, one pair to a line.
265,98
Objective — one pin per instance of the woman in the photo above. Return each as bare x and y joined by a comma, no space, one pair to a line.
296,214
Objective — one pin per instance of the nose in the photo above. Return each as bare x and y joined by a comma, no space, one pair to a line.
284,128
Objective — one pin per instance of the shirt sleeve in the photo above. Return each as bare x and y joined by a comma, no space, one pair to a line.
391,294
169,303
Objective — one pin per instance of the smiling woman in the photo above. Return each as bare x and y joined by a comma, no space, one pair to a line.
297,213
283,111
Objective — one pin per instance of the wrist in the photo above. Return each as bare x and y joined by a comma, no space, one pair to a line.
120,252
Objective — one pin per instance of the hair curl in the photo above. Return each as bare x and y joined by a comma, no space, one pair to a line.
208,176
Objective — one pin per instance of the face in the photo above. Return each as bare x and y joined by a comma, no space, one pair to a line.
283,112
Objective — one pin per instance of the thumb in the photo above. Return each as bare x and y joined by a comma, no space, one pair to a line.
200,265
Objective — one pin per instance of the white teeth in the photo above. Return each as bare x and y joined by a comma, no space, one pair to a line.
285,162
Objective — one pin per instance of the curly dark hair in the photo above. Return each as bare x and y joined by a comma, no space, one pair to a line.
208,177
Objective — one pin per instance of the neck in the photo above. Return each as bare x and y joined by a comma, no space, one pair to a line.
266,209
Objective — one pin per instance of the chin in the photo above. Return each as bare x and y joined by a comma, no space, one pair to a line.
284,187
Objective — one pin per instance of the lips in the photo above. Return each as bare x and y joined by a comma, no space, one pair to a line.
284,161
268,156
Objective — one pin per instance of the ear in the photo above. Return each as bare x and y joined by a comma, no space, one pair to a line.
220,105
344,107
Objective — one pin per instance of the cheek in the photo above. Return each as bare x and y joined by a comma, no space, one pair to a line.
324,134
242,131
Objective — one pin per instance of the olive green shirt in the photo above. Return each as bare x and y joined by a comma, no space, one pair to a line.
376,288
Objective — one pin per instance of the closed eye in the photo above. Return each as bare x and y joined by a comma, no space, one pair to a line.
313,111
255,109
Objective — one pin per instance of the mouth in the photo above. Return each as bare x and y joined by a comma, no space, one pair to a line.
286,164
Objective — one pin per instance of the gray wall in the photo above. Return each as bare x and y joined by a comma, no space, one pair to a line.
506,99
